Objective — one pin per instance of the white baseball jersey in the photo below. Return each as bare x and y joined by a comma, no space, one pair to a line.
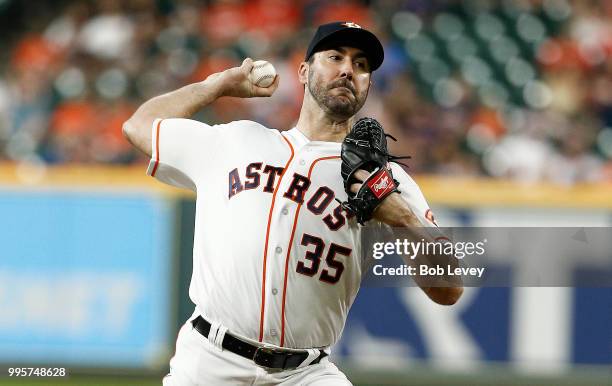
275,257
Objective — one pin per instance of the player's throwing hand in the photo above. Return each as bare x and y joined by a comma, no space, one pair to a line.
235,82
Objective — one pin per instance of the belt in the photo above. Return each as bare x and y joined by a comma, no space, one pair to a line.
270,357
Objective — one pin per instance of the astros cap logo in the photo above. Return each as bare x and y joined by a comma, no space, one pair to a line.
350,24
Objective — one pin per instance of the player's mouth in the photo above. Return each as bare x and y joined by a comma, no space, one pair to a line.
343,84
344,90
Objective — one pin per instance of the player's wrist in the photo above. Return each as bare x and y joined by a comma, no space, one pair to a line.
212,86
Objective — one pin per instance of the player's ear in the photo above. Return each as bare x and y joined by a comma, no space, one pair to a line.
303,72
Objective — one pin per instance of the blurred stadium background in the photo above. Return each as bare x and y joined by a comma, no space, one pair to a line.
505,107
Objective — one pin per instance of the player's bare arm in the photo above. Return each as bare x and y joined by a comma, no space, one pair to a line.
188,100
395,211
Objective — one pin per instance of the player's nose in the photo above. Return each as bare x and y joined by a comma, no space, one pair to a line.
346,70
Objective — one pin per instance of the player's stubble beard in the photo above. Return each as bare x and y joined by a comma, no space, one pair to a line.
338,107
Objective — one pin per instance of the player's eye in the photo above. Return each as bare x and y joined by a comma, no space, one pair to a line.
335,57
362,64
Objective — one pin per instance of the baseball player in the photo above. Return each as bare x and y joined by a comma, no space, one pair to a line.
276,262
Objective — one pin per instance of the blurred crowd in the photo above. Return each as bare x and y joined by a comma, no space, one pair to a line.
508,89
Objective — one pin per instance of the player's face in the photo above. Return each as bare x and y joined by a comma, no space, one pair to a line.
339,80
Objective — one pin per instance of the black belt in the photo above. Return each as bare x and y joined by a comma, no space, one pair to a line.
270,357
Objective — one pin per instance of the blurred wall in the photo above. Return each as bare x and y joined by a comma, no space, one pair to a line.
86,276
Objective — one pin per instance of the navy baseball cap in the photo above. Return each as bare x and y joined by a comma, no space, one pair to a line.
348,34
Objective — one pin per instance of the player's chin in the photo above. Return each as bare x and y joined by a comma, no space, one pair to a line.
342,110
341,103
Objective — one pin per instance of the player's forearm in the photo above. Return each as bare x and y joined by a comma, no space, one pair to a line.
181,103
442,289
186,101
394,211
446,290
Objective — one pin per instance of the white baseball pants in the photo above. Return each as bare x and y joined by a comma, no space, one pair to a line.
199,362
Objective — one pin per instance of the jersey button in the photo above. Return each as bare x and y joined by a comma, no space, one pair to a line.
273,332
278,249
274,291
302,162
285,211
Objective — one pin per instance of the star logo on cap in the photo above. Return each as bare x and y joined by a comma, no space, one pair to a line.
350,24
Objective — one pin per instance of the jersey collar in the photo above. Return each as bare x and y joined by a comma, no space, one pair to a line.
299,140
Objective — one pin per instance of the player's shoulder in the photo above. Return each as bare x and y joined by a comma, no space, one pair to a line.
250,127
244,132
232,127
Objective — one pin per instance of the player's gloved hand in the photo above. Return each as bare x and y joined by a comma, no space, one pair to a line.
234,82
365,149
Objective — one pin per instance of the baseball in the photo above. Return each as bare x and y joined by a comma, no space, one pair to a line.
262,74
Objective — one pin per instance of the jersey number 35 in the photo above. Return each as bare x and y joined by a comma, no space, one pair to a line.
334,269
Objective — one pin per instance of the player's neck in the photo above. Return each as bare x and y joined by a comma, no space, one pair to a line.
318,126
